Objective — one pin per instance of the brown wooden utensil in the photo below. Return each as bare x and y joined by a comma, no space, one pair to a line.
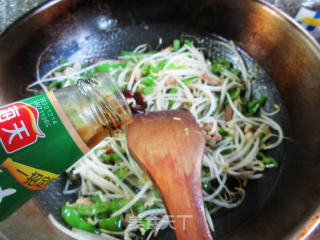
170,146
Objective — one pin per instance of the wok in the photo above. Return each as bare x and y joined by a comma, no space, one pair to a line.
282,205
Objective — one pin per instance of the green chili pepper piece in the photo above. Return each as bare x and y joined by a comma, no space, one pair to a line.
56,84
148,90
149,80
106,157
268,160
159,66
89,73
105,67
188,81
204,173
138,207
156,192
227,151
121,173
154,206
88,210
173,66
171,102
235,93
176,45
225,63
62,61
216,68
117,204
145,224
207,186
83,66
255,105
52,85
217,108
128,53
152,51
187,42
223,132
96,199
73,219
173,90
146,70
208,62
113,224
115,156
123,86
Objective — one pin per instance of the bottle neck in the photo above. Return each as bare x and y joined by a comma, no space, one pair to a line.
107,103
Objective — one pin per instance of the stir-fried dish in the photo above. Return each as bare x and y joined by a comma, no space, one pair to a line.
116,197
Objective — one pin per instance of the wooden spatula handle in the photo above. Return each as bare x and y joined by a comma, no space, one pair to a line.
170,147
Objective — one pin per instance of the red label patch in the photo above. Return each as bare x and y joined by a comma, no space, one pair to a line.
19,126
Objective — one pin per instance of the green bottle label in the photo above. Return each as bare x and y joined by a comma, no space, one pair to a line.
35,148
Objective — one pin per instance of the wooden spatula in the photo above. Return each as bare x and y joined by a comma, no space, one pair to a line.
170,146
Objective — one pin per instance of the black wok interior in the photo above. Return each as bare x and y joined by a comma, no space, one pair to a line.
101,29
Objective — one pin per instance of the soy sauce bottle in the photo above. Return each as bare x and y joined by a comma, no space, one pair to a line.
41,136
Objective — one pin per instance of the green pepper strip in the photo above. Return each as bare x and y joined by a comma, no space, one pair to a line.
173,66
216,68
62,61
149,80
106,157
106,67
99,207
149,89
138,207
117,204
145,224
56,84
115,156
89,73
207,186
187,42
121,173
235,93
156,192
72,217
113,224
255,105
128,53
188,81
88,210
226,152
176,45
224,134
96,199
268,160
159,66
146,70
225,63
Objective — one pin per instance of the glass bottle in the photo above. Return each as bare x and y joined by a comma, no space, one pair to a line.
43,135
